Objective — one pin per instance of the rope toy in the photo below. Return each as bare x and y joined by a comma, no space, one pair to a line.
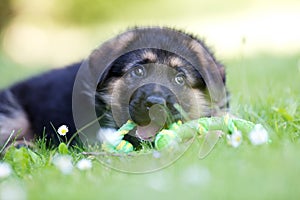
118,144
176,132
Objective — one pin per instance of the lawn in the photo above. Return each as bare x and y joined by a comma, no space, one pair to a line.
264,89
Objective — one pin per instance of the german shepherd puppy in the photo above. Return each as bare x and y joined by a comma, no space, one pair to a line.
121,80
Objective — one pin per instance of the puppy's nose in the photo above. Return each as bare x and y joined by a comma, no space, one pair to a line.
152,100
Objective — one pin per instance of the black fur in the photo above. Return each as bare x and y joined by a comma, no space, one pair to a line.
47,100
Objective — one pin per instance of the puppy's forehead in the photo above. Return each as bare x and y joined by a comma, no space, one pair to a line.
149,55
162,57
175,62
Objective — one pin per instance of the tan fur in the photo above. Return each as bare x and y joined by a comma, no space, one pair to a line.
175,62
117,98
115,86
199,104
148,55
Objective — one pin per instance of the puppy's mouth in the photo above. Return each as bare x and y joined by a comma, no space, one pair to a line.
151,107
158,116
152,120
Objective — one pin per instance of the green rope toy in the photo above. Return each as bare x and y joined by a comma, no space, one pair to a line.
232,127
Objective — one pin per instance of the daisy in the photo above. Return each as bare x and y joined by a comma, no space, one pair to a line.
235,139
84,164
63,163
63,130
110,136
156,154
258,135
12,190
5,170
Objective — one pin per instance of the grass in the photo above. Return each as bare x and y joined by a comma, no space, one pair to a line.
264,88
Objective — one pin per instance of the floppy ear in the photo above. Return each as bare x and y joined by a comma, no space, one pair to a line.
207,59
87,78
103,56
222,72
213,73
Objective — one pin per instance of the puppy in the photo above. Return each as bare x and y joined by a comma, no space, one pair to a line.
123,79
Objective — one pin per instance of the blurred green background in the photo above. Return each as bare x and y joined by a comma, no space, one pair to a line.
54,33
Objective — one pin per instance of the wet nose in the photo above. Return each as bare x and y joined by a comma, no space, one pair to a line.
153,99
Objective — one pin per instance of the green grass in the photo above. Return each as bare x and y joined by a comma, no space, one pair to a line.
264,88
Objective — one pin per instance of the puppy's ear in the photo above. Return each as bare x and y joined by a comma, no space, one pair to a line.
212,71
109,51
222,71
85,85
207,60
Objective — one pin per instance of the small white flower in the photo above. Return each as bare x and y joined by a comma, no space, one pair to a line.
159,181
84,164
5,170
63,130
156,154
235,139
110,136
63,163
195,175
13,189
258,135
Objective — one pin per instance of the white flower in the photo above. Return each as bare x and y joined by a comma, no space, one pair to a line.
195,175
258,135
63,163
159,181
13,189
156,154
235,139
63,130
110,136
84,164
5,170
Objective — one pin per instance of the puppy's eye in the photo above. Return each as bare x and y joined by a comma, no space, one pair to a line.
139,71
180,79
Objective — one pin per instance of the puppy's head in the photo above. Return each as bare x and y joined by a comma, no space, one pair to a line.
142,78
